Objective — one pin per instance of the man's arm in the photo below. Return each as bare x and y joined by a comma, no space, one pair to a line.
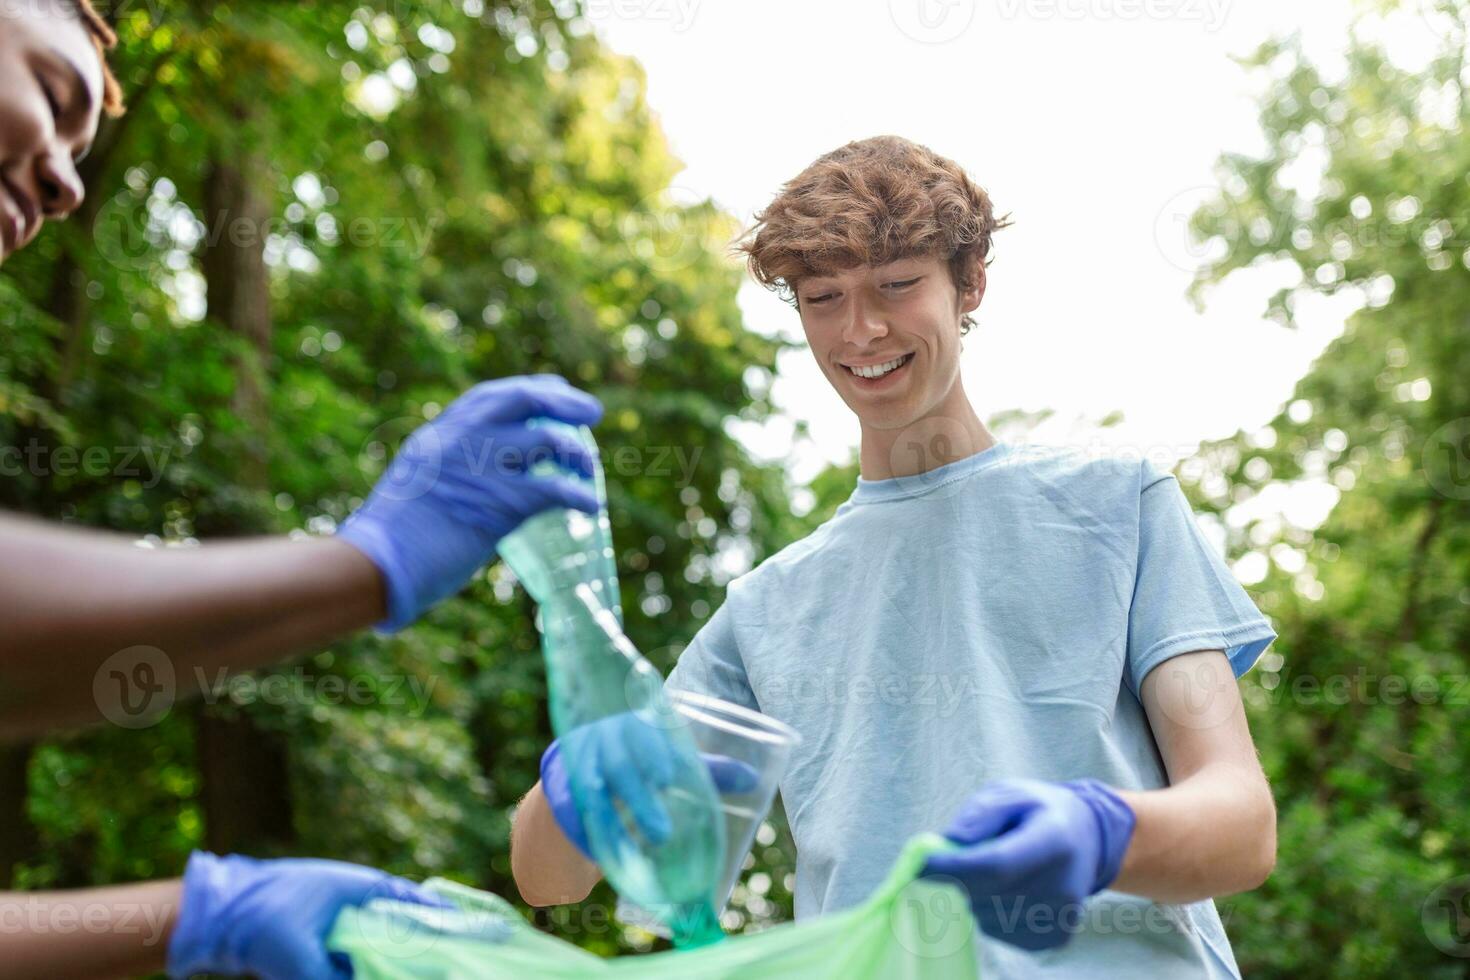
76,597
1029,848
1212,831
548,869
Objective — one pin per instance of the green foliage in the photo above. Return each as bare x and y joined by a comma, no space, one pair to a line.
452,196
1368,769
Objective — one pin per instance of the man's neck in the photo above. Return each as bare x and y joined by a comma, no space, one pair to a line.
952,431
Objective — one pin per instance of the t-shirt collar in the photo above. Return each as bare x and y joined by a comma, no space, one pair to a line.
899,487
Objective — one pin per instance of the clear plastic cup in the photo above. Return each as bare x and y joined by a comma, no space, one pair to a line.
751,739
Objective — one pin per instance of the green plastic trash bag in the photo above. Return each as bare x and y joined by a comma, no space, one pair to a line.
909,928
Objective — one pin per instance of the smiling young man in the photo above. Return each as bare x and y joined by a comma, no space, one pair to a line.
1030,650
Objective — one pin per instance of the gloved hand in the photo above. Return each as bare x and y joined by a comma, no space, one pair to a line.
459,484
1033,851
627,758
269,919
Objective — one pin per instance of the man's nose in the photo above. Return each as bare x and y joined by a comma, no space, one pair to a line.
60,185
864,323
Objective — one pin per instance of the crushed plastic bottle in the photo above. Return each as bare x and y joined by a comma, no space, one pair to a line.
565,560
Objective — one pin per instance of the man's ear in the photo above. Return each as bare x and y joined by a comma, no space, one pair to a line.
970,298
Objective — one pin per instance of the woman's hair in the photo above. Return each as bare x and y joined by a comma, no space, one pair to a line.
106,40
870,202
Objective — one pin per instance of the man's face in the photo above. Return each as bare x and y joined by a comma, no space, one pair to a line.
861,321
50,101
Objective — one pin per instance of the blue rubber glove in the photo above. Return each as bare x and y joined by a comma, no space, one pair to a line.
459,484
269,919
1033,851
629,759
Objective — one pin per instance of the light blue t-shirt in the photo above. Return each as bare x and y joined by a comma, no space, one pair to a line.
990,618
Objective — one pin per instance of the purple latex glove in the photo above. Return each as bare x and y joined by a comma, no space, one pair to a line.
270,919
1032,852
460,483
629,759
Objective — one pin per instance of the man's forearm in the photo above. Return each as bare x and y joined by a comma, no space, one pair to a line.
97,933
74,598
548,869
1211,834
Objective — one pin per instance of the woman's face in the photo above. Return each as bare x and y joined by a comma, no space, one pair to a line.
50,100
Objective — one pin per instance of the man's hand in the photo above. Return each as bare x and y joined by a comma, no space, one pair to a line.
461,483
269,919
1032,852
628,758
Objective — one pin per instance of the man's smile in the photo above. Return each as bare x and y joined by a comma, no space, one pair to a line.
879,374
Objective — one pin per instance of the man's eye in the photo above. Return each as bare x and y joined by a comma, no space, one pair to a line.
814,300
50,98
902,284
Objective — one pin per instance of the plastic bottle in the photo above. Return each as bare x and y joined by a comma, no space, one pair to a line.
566,562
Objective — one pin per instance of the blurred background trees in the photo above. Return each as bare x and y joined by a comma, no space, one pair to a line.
319,222
1361,709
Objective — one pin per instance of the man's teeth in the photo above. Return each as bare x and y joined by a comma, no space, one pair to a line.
878,370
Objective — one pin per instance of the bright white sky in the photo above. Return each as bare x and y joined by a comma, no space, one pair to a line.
1096,123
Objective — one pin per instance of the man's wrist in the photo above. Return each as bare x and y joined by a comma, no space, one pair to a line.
190,949
1116,821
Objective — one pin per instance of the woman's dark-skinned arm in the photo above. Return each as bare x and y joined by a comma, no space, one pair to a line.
75,598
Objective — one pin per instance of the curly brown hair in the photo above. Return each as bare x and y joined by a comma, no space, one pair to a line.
867,203
105,39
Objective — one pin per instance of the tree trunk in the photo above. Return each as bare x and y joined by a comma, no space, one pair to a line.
236,214
17,836
245,786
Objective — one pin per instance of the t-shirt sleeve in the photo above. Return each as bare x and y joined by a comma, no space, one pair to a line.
1185,597
711,664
